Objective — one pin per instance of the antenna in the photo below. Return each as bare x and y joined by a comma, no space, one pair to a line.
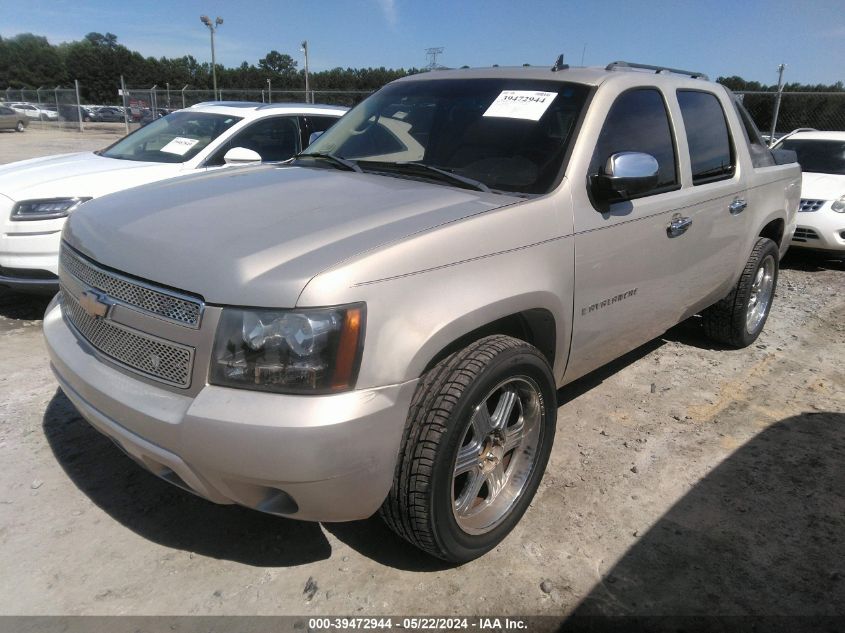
432,54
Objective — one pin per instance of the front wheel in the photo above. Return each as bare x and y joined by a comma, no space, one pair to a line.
738,319
476,443
20,126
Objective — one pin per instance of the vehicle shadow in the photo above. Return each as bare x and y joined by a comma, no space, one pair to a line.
165,514
169,516
22,307
812,261
760,535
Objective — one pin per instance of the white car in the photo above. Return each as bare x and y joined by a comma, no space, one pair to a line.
821,217
35,112
37,195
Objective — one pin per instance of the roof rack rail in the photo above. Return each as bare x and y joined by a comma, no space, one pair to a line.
656,69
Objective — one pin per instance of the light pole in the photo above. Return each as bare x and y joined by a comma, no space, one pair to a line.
212,27
269,92
781,68
305,50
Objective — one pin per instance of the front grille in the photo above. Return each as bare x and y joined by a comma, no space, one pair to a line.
156,358
162,303
802,235
810,205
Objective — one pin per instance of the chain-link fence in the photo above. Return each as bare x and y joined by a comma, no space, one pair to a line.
63,107
46,107
819,110
134,106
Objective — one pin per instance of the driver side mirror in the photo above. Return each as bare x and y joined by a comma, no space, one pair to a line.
314,136
625,175
241,156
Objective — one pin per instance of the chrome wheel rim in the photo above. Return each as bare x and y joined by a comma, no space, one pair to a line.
761,294
499,448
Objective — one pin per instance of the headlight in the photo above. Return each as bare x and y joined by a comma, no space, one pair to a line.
289,351
839,204
46,209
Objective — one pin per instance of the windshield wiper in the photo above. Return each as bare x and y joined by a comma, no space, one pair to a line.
430,171
337,160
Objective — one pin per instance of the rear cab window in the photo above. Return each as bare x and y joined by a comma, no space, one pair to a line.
712,154
761,155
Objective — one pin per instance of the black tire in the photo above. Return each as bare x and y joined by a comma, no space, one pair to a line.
20,126
726,320
420,506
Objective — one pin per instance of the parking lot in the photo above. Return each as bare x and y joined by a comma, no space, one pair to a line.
685,479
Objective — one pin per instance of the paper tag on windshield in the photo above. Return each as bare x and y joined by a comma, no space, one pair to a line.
521,104
179,145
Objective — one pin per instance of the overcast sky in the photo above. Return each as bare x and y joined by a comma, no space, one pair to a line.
725,37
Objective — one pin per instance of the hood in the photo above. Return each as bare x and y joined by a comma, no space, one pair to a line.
816,186
82,174
256,235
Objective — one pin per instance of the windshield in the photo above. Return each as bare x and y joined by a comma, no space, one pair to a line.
821,157
173,139
509,135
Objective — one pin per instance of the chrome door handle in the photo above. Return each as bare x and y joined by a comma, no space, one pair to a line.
678,226
737,206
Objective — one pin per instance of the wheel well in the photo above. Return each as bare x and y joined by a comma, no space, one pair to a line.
774,231
535,326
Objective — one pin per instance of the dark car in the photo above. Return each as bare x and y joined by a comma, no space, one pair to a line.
108,115
69,112
148,117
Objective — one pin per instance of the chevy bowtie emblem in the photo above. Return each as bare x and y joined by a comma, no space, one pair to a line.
94,304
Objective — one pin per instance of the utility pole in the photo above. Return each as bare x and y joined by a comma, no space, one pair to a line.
269,92
305,50
432,54
125,108
212,27
168,94
781,68
183,94
78,105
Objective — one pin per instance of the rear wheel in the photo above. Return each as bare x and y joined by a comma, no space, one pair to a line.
20,126
476,444
738,319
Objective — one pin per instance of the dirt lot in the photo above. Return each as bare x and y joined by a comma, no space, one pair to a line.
685,479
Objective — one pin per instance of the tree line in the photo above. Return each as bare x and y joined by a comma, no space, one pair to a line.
98,60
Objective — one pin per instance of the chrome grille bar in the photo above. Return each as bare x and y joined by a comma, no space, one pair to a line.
161,360
164,304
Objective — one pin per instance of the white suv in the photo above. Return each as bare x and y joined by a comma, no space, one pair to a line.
821,216
37,113
37,195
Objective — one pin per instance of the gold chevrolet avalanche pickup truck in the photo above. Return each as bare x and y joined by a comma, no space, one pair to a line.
381,323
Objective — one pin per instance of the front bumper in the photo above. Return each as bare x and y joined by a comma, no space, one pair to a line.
823,229
29,253
321,458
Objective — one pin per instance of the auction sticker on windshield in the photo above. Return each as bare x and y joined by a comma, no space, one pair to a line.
521,104
179,145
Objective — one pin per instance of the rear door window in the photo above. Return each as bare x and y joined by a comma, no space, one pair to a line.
710,147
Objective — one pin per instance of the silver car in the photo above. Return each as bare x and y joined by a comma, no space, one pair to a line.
381,323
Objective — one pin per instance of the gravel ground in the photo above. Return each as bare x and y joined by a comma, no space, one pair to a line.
685,479
42,141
